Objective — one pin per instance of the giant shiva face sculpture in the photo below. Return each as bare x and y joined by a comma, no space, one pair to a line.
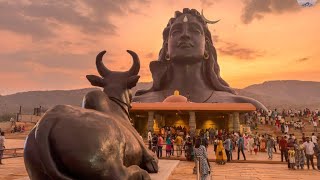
186,42
188,62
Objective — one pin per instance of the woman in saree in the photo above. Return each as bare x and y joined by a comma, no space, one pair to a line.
221,156
188,149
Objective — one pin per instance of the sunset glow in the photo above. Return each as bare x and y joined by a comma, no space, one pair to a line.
53,45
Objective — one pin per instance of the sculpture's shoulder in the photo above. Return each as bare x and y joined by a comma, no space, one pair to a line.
256,103
153,96
221,96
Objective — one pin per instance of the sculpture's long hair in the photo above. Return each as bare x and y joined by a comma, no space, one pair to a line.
210,67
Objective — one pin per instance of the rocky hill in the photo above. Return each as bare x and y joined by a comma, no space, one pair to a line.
285,94
279,94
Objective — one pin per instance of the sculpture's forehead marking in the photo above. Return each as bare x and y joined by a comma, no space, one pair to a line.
185,19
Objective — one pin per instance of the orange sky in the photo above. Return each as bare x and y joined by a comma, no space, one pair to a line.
53,45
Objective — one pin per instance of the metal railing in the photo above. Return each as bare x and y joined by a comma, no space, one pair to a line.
12,153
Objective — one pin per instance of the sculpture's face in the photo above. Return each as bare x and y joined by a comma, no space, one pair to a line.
186,41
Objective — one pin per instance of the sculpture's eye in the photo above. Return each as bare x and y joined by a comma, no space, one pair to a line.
175,31
195,28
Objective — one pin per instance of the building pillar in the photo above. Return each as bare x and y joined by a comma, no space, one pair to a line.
158,122
192,123
150,120
230,122
236,121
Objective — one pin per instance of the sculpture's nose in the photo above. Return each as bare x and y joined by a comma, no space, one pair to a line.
185,32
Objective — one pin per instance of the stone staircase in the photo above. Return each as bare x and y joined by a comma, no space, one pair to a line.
274,131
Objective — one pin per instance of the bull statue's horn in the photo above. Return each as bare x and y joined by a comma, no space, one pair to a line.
102,69
135,68
206,20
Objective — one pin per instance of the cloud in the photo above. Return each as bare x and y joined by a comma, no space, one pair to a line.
15,61
234,49
303,59
41,19
215,38
256,9
150,55
208,3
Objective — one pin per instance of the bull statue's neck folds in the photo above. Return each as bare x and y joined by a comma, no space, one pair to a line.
187,78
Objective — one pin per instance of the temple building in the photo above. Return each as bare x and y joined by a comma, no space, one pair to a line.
176,111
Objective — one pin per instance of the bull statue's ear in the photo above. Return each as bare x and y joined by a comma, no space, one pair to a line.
132,81
95,80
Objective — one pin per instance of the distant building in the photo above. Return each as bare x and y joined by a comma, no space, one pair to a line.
176,110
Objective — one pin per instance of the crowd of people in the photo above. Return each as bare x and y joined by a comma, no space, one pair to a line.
297,153
17,129
278,119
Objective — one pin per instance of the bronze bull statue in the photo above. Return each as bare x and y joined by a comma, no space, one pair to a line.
95,143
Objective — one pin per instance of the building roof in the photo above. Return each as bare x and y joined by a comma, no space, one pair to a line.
189,106
175,99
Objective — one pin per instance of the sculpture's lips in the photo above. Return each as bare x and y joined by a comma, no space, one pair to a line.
185,44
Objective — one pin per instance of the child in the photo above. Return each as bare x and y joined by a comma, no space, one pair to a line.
255,148
292,158
168,146
300,155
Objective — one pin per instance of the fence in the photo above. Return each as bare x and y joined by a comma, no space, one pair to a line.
28,118
13,153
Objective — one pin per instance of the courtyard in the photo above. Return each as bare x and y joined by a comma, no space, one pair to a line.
256,167
13,169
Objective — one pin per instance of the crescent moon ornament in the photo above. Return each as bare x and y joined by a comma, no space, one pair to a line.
208,21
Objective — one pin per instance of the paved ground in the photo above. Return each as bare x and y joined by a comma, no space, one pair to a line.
14,143
14,168
166,167
261,156
246,171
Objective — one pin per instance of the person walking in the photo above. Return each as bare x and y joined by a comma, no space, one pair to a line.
149,139
300,155
315,125
292,158
2,147
168,146
227,144
160,144
309,152
154,143
188,149
215,144
318,156
251,144
201,153
179,141
283,148
221,155
314,139
270,145
241,147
